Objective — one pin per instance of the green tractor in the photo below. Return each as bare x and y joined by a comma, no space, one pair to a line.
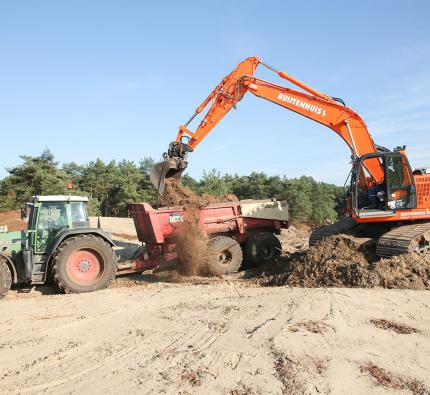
60,246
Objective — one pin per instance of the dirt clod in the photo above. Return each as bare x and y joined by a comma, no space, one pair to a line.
286,371
193,377
392,381
394,326
310,326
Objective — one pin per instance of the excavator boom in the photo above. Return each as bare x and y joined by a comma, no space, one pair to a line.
308,102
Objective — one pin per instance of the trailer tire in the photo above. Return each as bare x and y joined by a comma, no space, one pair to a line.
226,255
5,278
261,248
84,263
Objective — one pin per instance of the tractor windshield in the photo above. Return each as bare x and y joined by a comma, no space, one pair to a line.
79,215
52,217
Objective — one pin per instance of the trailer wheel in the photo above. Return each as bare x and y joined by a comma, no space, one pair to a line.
261,248
5,278
226,255
84,263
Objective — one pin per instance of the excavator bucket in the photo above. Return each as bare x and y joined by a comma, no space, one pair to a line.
170,167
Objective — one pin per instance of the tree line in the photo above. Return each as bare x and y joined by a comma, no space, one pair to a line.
112,186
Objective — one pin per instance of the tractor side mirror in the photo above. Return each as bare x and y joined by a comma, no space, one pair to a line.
24,213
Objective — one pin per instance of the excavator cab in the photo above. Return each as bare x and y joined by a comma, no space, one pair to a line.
396,191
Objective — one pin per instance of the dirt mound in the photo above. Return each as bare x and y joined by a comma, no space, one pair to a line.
13,221
340,261
409,271
177,195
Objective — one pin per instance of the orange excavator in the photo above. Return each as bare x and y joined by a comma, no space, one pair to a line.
386,200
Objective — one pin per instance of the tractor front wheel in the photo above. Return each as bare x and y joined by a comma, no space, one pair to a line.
84,263
5,278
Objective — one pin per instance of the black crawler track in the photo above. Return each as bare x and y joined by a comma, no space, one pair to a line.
404,239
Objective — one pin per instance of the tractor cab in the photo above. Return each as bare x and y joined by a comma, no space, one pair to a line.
58,245
379,198
51,214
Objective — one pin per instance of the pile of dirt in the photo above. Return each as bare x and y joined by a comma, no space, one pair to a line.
340,261
177,195
13,221
409,271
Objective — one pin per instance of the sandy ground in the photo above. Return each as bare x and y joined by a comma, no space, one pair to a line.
220,337
214,336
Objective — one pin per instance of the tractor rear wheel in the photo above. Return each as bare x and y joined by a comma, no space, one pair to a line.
226,255
261,248
84,263
5,278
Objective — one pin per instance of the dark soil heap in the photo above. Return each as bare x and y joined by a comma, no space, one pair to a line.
177,195
340,261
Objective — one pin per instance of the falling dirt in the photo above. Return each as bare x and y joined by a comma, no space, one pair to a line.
177,195
340,261
192,249
191,242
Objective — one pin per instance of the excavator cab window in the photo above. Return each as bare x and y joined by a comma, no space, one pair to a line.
369,194
399,183
395,192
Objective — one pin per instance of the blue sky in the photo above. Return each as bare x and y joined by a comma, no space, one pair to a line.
115,79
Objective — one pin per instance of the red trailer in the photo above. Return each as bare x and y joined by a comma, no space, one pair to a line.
244,230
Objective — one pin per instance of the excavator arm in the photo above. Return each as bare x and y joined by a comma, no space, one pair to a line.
309,103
